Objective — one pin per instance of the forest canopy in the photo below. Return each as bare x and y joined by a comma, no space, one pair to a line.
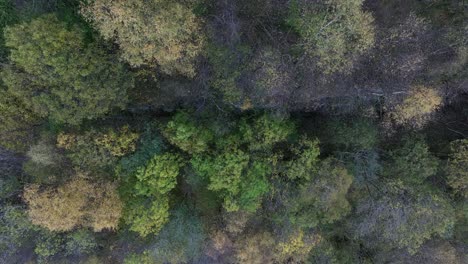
247,131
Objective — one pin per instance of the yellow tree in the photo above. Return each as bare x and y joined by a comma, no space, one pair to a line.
76,203
157,32
415,109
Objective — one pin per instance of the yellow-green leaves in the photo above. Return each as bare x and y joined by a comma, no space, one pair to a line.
183,132
415,109
165,33
147,216
225,173
149,175
60,76
159,176
305,163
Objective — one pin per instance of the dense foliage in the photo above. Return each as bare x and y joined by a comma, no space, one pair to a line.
60,76
161,32
336,31
247,131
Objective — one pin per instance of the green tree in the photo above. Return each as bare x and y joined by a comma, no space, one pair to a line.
147,215
322,200
57,74
183,132
412,162
238,182
181,240
17,122
162,32
402,217
305,162
160,175
336,31
16,230
457,167
262,132
233,159
52,245
147,176
80,242
48,244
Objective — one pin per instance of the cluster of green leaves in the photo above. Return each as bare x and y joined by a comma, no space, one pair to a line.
146,215
240,181
412,162
183,132
234,164
55,73
78,243
147,176
159,176
305,162
322,199
148,209
17,122
239,167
